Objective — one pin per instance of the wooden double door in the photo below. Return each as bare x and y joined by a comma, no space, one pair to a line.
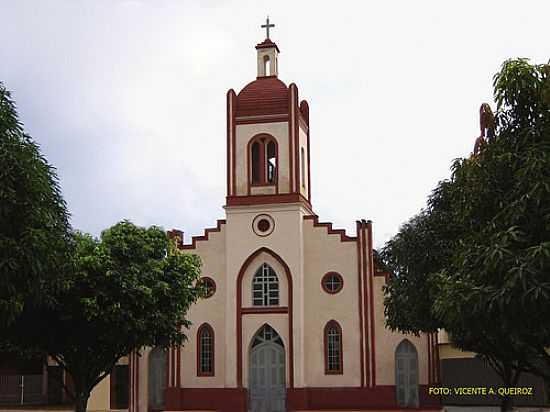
406,375
267,376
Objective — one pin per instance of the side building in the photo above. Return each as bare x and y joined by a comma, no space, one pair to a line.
464,369
37,383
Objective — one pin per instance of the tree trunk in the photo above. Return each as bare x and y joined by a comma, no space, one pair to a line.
81,401
510,378
506,405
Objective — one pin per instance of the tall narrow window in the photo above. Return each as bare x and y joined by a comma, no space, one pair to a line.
271,161
267,66
303,165
333,348
205,351
256,167
265,287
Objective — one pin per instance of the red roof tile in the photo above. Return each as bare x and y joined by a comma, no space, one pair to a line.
264,96
267,43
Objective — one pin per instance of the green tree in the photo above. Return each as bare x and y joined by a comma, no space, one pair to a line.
34,228
478,256
130,289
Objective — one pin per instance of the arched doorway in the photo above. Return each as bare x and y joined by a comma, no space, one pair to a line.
406,374
267,376
157,378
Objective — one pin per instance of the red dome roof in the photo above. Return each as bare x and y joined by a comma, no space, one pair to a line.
264,96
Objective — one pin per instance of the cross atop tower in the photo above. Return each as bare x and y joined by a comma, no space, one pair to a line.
266,26
267,54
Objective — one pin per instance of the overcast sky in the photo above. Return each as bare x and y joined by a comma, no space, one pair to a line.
127,98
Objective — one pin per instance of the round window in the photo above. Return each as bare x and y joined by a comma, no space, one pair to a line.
263,225
209,286
332,282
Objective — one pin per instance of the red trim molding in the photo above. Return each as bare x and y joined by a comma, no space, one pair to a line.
291,137
430,360
296,154
308,156
130,382
178,366
360,300
175,369
214,399
366,299
371,298
170,368
437,362
261,119
312,398
231,110
354,398
304,111
131,374
133,366
267,44
330,230
195,239
232,164
240,314
303,123
268,199
264,309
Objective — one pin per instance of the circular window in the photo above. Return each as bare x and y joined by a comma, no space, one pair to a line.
332,282
263,225
209,286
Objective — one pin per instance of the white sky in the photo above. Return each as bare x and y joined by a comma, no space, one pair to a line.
127,98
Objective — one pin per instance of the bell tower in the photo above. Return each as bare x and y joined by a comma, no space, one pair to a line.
268,152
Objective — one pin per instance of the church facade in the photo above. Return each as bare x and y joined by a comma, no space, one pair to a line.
294,318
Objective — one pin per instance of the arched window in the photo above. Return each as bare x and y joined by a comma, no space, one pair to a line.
406,374
205,350
266,334
265,287
267,66
263,161
334,363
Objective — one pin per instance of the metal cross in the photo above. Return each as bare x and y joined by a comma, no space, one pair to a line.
266,26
